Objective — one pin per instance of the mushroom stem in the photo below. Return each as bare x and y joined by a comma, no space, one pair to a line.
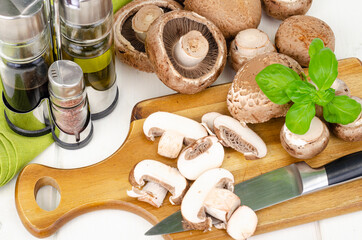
242,223
154,194
170,144
191,49
143,19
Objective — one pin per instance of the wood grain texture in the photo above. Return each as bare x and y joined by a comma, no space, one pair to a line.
104,185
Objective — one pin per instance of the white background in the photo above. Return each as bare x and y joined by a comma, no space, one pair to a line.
344,17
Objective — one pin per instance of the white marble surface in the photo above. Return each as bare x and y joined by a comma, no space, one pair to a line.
344,17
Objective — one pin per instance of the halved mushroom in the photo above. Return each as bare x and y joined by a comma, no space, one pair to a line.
161,178
131,24
282,9
307,145
248,44
238,136
231,16
242,223
174,130
188,51
193,203
204,154
351,132
246,102
208,121
296,33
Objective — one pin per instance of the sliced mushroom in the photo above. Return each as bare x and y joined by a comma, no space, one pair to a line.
231,16
242,223
208,120
282,9
307,145
238,136
351,132
296,33
193,203
188,51
177,128
161,176
131,23
246,102
204,154
248,44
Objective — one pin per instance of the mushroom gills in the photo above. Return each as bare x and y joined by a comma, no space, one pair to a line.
170,144
151,193
175,33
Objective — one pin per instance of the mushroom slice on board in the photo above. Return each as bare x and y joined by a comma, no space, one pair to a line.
351,132
207,121
296,33
178,129
282,9
188,51
204,154
163,178
307,145
248,44
246,102
242,223
193,203
238,136
131,24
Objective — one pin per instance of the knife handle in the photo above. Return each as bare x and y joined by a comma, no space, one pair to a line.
344,168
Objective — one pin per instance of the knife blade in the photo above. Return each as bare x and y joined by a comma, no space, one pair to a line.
280,185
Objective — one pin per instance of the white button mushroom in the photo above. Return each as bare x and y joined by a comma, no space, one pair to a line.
242,223
308,145
204,154
239,137
162,177
179,129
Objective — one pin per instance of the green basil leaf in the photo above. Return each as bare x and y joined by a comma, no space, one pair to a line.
274,79
299,117
323,97
342,109
323,68
315,46
299,91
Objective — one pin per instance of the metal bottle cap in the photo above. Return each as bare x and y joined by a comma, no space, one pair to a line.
21,20
65,80
84,12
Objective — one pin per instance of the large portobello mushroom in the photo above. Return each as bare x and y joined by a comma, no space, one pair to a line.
130,28
188,52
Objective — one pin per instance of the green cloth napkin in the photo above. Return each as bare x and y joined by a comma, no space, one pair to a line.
15,150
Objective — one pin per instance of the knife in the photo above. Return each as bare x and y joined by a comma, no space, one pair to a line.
280,185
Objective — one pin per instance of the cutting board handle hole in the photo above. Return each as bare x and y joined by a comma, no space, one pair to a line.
47,193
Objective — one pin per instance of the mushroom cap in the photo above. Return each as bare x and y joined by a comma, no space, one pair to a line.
204,154
239,137
165,32
231,16
246,102
248,44
308,145
159,122
282,9
242,223
162,174
128,49
296,33
351,132
192,206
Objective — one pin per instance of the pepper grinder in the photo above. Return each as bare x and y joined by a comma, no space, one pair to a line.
87,39
25,56
70,116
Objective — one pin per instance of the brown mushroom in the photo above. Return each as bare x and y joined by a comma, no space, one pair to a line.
248,44
130,26
231,16
246,102
188,51
282,9
296,33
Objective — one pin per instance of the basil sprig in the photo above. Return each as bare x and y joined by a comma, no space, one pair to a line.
282,85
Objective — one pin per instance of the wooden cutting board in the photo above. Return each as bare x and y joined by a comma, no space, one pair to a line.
104,185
